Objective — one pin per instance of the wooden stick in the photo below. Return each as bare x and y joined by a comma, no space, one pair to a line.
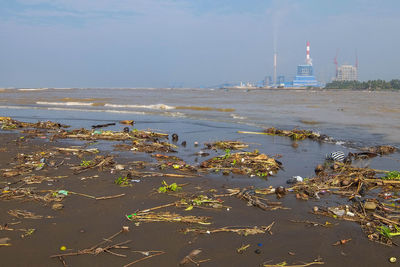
109,197
145,258
62,261
297,265
385,220
159,207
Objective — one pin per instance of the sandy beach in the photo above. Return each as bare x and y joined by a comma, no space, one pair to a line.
92,206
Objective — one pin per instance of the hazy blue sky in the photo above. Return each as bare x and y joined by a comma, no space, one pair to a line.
159,43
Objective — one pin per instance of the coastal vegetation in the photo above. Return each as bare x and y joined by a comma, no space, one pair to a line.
366,85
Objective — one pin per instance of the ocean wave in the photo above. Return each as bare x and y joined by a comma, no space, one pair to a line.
64,103
155,106
33,89
237,117
200,108
102,110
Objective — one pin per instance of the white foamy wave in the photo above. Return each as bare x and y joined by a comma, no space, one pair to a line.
340,143
33,89
63,103
101,110
16,107
156,106
237,117
175,114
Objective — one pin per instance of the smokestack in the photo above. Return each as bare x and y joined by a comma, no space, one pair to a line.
308,59
275,69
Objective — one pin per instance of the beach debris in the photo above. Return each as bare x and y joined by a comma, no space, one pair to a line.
173,162
295,134
4,242
174,137
104,246
337,156
168,187
250,163
123,181
7,123
370,205
147,146
147,254
341,242
392,259
313,223
103,125
392,175
190,258
294,180
38,179
100,162
242,249
381,150
245,231
28,232
223,145
57,206
166,217
127,122
77,150
285,264
25,214
200,201
250,195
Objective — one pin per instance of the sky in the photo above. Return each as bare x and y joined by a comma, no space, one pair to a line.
191,43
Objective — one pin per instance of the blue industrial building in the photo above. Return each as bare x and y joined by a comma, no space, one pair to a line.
305,77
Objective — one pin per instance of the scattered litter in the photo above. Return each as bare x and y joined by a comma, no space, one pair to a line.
250,163
285,264
102,125
103,246
223,145
166,217
294,180
341,242
245,231
242,249
4,242
25,214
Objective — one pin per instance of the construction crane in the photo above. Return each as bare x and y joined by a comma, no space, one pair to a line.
336,63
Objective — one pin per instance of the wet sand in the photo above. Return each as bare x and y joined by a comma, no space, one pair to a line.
84,222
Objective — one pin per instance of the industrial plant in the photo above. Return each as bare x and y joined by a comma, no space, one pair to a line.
304,77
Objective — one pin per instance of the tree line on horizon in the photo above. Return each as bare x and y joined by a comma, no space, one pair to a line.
366,85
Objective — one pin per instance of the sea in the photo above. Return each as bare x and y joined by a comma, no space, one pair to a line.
354,119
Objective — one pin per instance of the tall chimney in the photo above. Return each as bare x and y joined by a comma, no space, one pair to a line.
308,59
275,69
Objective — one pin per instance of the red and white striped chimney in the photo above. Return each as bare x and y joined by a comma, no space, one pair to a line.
308,59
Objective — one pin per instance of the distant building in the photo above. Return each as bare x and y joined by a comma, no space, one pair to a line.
281,79
347,73
305,73
305,76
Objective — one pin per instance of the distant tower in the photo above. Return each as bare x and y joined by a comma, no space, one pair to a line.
336,63
305,73
356,65
275,68
308,58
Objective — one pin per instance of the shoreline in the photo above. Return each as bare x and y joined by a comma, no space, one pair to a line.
83,221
